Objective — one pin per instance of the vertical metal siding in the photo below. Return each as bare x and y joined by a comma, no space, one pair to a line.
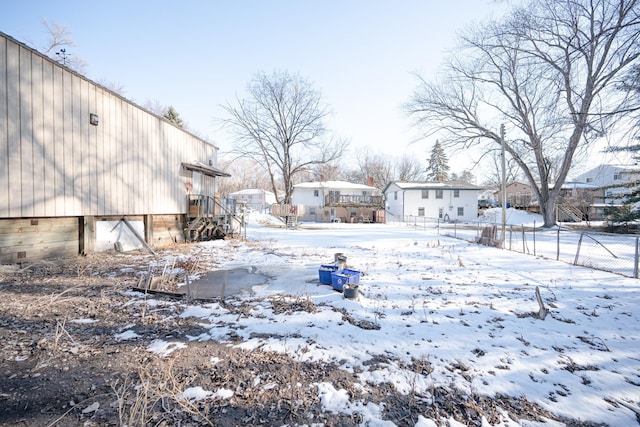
38,137
53,162
4,132
26,133
48,140
57,173
67,143
101,186
14,185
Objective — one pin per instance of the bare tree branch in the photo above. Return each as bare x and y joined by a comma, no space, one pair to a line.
548,71
281,126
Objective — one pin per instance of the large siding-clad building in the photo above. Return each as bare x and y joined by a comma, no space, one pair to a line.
73,152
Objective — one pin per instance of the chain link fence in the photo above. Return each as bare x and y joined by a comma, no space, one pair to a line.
616,253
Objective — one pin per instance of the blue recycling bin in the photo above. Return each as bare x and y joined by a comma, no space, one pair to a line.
324,273
343,277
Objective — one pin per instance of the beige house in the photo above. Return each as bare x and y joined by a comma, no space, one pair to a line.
81,167
519,195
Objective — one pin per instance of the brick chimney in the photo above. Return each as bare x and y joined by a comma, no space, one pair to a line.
370,181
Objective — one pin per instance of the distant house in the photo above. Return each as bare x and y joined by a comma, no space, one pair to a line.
255,198
83,169
607,183
519,195
447,201
610,179
577,202
338,201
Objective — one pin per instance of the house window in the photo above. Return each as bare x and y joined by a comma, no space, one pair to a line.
589,180
460,211
617,176
366,193
316,193
395,195
425,194
609,193
456,193
312,211
420,211
440,213
334,192
439,194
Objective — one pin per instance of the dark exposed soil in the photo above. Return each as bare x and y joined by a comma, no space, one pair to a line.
57,371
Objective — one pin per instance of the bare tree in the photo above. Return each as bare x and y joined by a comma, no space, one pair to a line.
548,72
374,166
465,176
245,174
280,125
330,171
58,44
117,88
494,179
408,168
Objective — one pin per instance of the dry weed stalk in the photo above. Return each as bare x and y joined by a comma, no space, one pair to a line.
158,385
60,331
49,301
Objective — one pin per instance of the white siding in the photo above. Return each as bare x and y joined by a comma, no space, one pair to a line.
394,202
409,202
53,162
305,197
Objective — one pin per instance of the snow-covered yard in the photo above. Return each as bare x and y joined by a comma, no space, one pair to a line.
438,312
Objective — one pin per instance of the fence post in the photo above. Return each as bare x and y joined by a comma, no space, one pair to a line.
455,230
534,238
558,246
523,240
635,259
510,236
575,261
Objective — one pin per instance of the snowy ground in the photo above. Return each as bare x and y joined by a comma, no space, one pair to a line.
442,312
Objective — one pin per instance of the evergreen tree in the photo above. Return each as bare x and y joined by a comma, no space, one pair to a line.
173,116
437,169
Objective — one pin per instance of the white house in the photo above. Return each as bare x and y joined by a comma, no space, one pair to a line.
255,198
447,201
606,183
342,201
607,177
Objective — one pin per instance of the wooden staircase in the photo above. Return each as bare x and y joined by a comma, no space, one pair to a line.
209,218
569,211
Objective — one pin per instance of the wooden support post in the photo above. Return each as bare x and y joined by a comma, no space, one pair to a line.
135,233
542,313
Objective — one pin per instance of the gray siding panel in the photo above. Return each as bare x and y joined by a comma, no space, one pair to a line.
53,162
67,143
101,173
14,189
4,130
58,171
26,133
48,141
38,138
